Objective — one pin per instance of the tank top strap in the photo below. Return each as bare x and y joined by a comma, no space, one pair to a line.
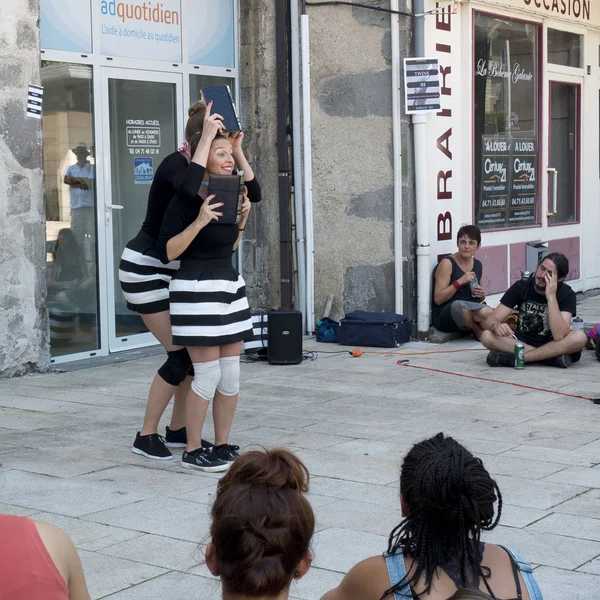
397,573
526,571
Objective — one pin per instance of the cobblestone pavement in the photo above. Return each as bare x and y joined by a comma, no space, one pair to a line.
65,443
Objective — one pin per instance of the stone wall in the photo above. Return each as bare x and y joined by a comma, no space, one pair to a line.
351,80
259,114
24,344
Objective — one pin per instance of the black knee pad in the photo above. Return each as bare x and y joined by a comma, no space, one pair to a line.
176,367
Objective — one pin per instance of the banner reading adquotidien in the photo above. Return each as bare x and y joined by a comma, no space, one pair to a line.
141,29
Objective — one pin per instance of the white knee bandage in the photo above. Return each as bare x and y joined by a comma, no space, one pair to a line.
230,375
206,379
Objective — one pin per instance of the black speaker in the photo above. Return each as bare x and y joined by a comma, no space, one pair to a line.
285,337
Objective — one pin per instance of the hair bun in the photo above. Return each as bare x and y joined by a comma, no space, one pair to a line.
197,107
277,468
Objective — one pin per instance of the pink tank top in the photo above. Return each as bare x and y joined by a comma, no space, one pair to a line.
26,570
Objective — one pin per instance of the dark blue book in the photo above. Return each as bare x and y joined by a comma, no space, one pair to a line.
223,105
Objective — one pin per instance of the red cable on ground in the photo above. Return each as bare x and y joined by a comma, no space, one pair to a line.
522,385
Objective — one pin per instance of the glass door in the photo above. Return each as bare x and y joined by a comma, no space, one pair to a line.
564,149
142,118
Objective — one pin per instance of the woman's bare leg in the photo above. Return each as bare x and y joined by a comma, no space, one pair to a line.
224,406
178,414
160,391
196,406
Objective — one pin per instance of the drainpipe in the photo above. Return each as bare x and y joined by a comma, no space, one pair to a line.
420,151
308,199
285,225
297,162
397,141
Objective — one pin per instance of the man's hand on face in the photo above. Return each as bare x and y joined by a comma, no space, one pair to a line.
551,279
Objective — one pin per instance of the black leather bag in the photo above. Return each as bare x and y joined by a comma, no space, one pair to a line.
378,329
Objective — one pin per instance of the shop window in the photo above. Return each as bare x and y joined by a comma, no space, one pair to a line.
564,48
506,122
70,196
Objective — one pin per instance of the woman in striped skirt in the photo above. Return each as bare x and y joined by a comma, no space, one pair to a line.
209,310
145,285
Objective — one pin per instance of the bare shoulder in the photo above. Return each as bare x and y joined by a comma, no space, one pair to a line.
52,535
367,580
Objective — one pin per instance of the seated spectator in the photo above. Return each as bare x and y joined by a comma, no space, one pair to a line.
546,306
261,527
447,499
38,562
457,292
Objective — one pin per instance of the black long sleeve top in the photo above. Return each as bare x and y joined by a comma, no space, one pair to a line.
173,176
213,241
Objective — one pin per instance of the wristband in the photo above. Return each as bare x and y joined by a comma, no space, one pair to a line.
456,285
241,228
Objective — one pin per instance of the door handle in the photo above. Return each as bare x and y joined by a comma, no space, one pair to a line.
554,174
114,206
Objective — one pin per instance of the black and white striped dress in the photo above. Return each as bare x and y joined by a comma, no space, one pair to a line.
207,295
143,277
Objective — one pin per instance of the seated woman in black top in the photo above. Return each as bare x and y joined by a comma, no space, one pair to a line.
209,310
457,292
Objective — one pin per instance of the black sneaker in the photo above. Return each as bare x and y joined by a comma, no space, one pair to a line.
563,361
226,452
176,438
151,446
500,359
203,460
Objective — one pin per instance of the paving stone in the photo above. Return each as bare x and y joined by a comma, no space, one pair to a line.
559,584
146,479
352,490
520,467
87,535
375,518
168,553
57,462
578,457
61,496
535,494
337,549
543,548
287,438
585,528
592,567
377,448
19,511
106,575
517,516
586,505
168,517
577,476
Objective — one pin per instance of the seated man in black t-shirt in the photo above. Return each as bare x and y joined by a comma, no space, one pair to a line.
546,306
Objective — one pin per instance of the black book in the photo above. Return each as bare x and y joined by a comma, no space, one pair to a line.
223,105
228,189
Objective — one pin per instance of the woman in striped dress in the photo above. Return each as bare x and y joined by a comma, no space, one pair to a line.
209,310
145,285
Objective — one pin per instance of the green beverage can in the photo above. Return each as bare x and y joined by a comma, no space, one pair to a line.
519,355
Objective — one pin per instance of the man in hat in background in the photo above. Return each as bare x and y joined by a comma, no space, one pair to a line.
80,178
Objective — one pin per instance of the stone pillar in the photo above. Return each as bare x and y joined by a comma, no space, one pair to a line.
24,338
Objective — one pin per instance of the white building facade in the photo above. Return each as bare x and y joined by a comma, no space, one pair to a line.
515,149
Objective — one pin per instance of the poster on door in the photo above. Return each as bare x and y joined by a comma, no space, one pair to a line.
523,194
141,29
495,181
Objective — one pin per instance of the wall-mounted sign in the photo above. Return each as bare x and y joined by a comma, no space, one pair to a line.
143,136
210,31
141,29
422,85
580,11
66,25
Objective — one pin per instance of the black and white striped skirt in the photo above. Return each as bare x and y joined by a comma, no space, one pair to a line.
208,304
144,278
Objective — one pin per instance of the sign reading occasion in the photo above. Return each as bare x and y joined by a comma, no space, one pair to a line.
141,29
422,85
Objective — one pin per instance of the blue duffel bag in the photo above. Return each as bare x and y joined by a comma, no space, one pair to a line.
378,329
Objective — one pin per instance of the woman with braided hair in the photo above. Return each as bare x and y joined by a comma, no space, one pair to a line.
261,527
447,499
